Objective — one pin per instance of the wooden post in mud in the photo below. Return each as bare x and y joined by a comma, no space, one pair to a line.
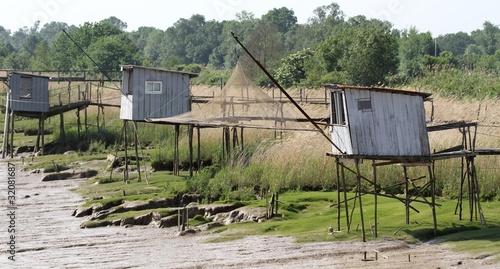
199,147
433,195
375,191
136,146
407,195
358,177
12,134
337,166
176,149
241,138
42,150
62,138
346,204
125,142
190,134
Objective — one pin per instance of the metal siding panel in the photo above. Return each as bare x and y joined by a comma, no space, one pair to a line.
340,136
138,80
380,122
352,120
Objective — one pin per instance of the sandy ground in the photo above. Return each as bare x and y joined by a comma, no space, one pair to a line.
47,236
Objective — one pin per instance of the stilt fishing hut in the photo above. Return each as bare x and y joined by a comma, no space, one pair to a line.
149,93
28,95
389,127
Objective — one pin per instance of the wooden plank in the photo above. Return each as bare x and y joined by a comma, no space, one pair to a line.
448,126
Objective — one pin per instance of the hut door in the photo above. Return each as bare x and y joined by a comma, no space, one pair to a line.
338,120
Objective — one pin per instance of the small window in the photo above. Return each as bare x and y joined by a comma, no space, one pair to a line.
365,104
338,115
153,87
26,88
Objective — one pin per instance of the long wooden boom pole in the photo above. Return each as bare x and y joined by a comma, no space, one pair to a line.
286,94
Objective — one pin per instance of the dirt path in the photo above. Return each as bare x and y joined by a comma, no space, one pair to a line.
47,236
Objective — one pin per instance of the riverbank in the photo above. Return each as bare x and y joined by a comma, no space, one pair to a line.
49,237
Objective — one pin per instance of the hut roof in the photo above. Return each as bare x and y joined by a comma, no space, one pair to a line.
380,89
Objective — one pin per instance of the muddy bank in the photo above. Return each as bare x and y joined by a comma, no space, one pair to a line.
48,236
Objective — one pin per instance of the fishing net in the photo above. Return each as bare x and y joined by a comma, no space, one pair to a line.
241,103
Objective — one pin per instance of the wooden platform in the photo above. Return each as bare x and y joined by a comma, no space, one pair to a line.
55,110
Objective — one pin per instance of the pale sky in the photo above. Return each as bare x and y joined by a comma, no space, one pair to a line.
437,16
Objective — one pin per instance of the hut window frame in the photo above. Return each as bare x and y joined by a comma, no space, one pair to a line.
26,89
338,110
154,87
365,104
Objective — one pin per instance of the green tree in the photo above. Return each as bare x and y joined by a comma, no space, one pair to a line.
282,18
363,54
412,47
228,52
293,68
110,52
455,43
41,59
488,37
50,31
192,40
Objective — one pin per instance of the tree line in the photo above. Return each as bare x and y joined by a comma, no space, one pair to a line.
329,48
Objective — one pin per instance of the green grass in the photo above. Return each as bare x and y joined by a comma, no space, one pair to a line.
486,241
312,222
161,184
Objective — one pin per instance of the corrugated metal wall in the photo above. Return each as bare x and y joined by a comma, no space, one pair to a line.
32,97
173,100
394,126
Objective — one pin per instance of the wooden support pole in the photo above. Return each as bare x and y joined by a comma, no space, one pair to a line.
125,142
42,151
6,126
375,191
358,177
190,134
78,123
136,146
337,166
39,134
241,138
223,144
346,204
12,131
199,147
228,143
62,137
176,149
407,196
433,196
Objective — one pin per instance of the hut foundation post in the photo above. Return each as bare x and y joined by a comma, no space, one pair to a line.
433,196
176,149
241,138
125,142
136,146
199,147
6,125
358,178
62,131
190,133
375,192
407,195
39,134
12,134
346,204
338,192
43,135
